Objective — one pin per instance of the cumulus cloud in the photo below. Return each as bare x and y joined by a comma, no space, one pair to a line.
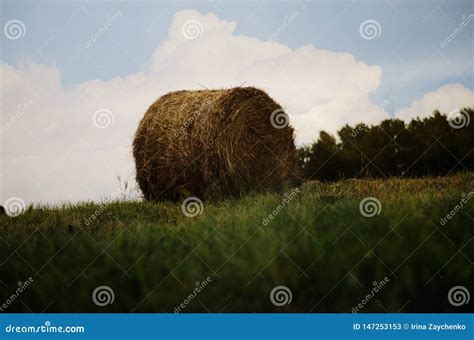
319,89
55,148
445,99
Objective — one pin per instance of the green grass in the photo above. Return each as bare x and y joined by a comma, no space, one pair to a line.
319,245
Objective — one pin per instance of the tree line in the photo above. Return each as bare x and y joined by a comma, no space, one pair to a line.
437,145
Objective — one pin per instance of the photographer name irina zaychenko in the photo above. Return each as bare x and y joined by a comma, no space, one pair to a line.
438,328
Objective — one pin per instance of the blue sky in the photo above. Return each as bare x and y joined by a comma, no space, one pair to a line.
70,105
411,34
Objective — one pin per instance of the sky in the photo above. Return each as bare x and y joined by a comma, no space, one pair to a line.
77,76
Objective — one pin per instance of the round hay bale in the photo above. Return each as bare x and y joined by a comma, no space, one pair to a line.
213,144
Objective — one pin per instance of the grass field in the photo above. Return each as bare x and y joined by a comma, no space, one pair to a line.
319,245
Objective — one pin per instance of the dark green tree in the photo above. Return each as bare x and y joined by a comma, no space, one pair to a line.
436,145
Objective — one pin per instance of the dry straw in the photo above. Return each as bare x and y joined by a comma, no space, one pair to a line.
213,144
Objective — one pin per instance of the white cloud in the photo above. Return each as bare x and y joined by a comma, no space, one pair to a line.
445,99
52,151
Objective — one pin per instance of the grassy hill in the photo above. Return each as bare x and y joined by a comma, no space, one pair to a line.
317,243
